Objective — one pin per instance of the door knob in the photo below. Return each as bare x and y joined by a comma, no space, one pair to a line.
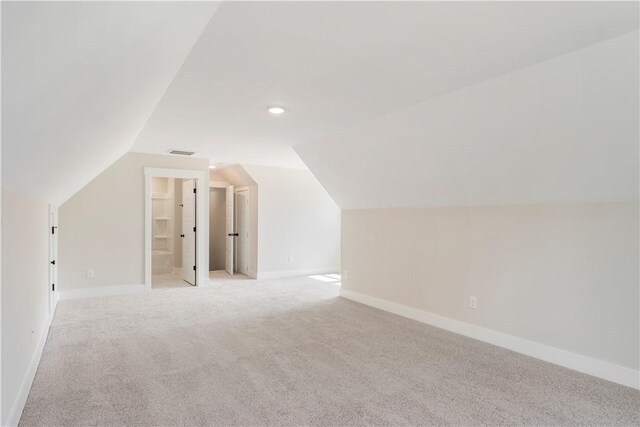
182,235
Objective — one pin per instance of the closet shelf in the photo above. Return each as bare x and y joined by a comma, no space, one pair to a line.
161,237
162,218
161,252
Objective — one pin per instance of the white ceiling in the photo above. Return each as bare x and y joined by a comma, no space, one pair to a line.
561,131
333,65
80,80
374,93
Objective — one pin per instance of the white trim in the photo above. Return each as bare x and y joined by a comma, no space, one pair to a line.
202,220
106,291
597,368
23,392
294,273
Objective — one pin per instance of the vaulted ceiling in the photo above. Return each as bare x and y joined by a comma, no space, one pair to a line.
333,65
388,103
561,131
79,82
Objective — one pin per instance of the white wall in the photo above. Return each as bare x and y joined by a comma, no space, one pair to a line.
561,275
298,223
556,145
25,283
160,185
102,226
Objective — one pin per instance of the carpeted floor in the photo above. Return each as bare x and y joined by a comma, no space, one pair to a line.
290,352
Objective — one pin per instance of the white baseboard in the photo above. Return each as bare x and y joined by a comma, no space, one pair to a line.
23,392
293,273
595,367
106,291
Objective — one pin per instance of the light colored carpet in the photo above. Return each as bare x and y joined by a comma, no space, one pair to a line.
291,352
221,275
175,280
171,280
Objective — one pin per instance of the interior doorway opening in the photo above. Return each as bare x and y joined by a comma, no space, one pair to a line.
228,231
173,246
175,226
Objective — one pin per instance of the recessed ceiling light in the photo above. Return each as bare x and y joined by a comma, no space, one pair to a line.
212,166
276,110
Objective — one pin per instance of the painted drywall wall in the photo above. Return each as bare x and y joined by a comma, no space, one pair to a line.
159,185
102,226
298,223
217,232
25,283
561,275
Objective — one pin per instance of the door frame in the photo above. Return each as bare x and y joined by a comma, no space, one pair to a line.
202,213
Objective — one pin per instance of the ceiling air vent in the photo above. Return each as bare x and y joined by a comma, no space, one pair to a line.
182,153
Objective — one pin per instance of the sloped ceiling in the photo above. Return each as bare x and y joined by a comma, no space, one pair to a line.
388,103
561,131
234,174
80,80
334,65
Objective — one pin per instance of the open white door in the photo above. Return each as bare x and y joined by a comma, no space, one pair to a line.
242,229
228,263
189,231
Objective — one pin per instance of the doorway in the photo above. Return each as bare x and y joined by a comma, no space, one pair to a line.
175,243
173,207
228,230
188,235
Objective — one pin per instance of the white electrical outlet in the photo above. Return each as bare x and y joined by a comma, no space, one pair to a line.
345,275
90,274
473,302
289,259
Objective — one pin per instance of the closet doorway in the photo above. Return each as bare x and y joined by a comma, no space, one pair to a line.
229,234
174,243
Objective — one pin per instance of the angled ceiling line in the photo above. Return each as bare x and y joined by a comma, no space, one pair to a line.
164,92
